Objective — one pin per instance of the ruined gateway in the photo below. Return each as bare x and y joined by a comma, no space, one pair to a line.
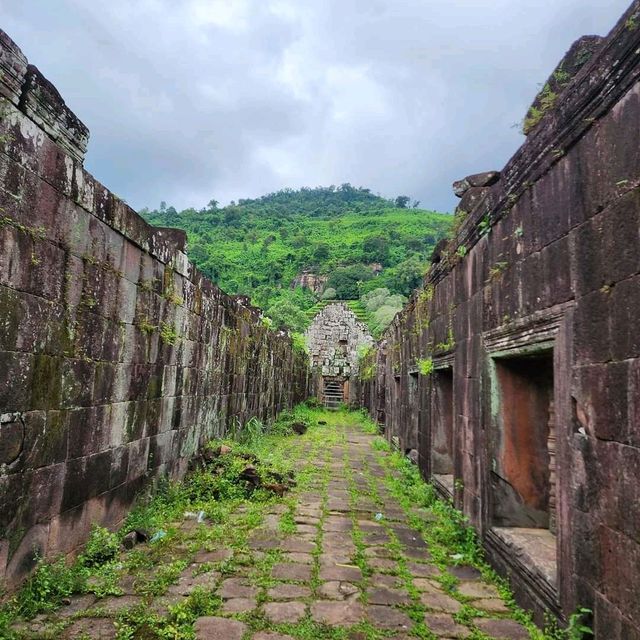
336,339
514,372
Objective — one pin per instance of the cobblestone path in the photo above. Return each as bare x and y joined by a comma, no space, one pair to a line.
337,559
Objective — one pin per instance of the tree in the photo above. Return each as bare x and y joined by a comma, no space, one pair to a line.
346,280
382,318
198,254
376,249
231,216
329,294
375,299
402,201
321,252
286,314
404,277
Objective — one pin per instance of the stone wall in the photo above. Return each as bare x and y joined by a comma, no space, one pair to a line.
334,338
118,359
515,370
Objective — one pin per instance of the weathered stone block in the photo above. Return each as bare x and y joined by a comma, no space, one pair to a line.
13,68
43,104
46,438
625,310
12,437
16,378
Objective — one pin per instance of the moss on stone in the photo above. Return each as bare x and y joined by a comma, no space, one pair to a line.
46,384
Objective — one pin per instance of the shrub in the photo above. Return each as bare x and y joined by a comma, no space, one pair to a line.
101,547
329,294
45,589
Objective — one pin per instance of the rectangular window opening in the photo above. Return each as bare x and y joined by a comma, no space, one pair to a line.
523,469
412,418
442,419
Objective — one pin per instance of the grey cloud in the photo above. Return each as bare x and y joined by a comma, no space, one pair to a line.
197,99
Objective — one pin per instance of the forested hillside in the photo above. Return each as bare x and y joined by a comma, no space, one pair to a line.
358,241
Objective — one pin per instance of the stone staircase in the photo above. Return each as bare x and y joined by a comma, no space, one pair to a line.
333,395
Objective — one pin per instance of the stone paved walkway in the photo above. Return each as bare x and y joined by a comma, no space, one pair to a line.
339,565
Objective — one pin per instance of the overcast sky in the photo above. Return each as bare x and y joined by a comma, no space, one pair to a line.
189,100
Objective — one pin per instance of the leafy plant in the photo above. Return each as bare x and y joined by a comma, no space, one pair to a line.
545,102
168,334
101,547
425,366
145,326
484,226
47,586
299,342
577,629
497,270
449,343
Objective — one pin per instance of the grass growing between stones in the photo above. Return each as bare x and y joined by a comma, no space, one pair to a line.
232,508
157,590
453,542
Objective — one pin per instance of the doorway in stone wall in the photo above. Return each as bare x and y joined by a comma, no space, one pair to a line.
523,452
442,421
333,393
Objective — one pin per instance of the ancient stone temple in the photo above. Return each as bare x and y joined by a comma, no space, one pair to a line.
515,370
335,339
118,359
511,378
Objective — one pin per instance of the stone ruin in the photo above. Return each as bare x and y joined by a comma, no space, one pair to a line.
335,339
118,358
515,370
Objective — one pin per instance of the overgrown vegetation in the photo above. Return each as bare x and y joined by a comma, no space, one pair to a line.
249,470
425,366
232,502
546,99
367,362
257,247
452,541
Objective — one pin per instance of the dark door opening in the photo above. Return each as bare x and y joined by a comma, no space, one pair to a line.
333,393
523,460
442,421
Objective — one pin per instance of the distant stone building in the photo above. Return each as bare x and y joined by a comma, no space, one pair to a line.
334,338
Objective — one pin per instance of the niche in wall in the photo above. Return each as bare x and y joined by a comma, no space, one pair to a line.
442,425
523,441
520,432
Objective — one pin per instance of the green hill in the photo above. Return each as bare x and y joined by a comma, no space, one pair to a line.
257,247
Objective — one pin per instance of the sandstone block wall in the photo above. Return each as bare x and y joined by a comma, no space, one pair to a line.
118,359
530,315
